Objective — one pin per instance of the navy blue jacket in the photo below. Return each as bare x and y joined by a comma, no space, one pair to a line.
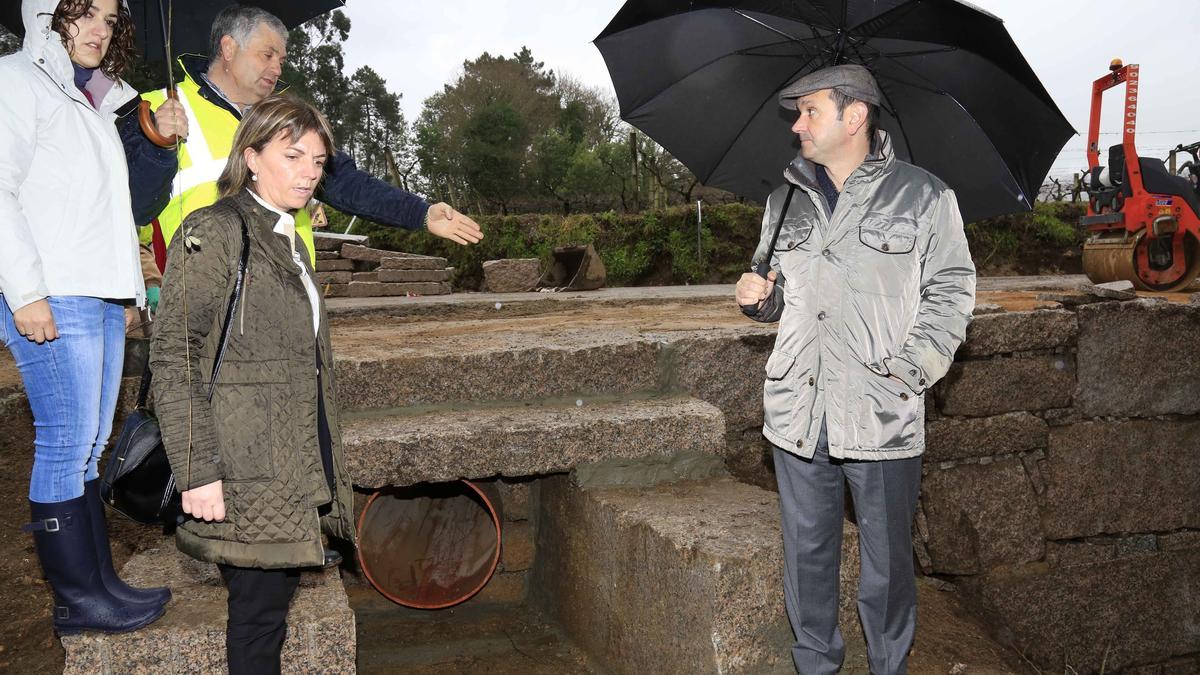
151,168
345,187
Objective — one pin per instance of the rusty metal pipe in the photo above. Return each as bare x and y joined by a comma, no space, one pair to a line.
430,546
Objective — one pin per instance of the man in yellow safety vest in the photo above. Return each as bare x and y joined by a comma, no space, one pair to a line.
248,48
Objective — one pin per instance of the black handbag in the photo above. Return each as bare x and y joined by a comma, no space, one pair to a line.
138,482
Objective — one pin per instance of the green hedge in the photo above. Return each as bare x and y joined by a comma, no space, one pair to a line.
659,247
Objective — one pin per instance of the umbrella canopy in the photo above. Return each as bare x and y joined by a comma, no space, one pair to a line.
702,79
191,20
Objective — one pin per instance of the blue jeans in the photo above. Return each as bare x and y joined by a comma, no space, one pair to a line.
72,385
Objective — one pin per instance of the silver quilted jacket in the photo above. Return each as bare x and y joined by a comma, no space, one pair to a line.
884,285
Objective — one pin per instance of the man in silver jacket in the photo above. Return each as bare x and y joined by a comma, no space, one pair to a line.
873,287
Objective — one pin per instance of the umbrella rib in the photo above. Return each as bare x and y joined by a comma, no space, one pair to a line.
885,21
769,27
939,92
828,46
918,52
750,51
746,125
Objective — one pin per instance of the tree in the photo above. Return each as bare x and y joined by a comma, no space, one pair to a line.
373,125
515,92
313,70
668,173
565,153
589,182
495,143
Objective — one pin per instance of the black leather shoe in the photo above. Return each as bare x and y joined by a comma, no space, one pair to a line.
332,559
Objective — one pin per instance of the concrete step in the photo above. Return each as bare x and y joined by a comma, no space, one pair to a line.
526,440
683,577
190,637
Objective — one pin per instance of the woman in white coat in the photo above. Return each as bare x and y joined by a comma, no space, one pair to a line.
68,269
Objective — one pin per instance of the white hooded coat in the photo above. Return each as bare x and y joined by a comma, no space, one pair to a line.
66,227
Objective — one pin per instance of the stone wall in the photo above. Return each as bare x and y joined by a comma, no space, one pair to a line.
1062,483
1062,475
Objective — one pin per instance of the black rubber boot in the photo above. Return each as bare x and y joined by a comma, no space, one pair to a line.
62,535
119,589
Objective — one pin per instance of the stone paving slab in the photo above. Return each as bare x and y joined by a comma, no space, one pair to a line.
190,637
1101,617
408,276
347,287
950,439
1113,477
1007,332
1139,359
332,241
981,516
411,365
394,261
677,578
994,387
523,440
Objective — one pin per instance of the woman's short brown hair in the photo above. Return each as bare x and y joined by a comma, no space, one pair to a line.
265,121
120,49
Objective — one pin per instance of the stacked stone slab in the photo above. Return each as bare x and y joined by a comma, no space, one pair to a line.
190,637
347,267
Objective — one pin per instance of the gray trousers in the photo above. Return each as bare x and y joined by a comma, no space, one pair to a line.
811,498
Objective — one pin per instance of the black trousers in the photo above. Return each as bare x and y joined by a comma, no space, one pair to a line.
258,598
258,607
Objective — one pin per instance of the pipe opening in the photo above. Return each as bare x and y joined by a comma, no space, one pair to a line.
429,546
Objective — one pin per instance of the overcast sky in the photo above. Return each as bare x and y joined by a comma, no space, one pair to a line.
418,47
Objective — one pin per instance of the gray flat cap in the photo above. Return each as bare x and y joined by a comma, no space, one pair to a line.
851,79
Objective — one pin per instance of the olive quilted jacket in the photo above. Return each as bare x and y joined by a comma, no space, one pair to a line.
259,434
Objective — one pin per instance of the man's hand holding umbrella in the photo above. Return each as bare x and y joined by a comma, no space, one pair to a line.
752,290
171,120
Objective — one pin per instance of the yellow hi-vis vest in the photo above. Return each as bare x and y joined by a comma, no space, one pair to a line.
201,160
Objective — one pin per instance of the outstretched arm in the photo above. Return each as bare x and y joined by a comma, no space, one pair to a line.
351,190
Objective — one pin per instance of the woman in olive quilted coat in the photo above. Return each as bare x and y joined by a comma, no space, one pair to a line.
260,467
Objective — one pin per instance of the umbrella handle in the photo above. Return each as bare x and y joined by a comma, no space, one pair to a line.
764,266
147,123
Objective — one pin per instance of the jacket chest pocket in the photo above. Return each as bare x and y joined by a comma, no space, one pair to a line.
794,235
887,260
890,235
793,249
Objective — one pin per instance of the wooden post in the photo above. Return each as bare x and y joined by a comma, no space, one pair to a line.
633,164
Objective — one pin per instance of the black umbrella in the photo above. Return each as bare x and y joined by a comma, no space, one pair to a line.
701,78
